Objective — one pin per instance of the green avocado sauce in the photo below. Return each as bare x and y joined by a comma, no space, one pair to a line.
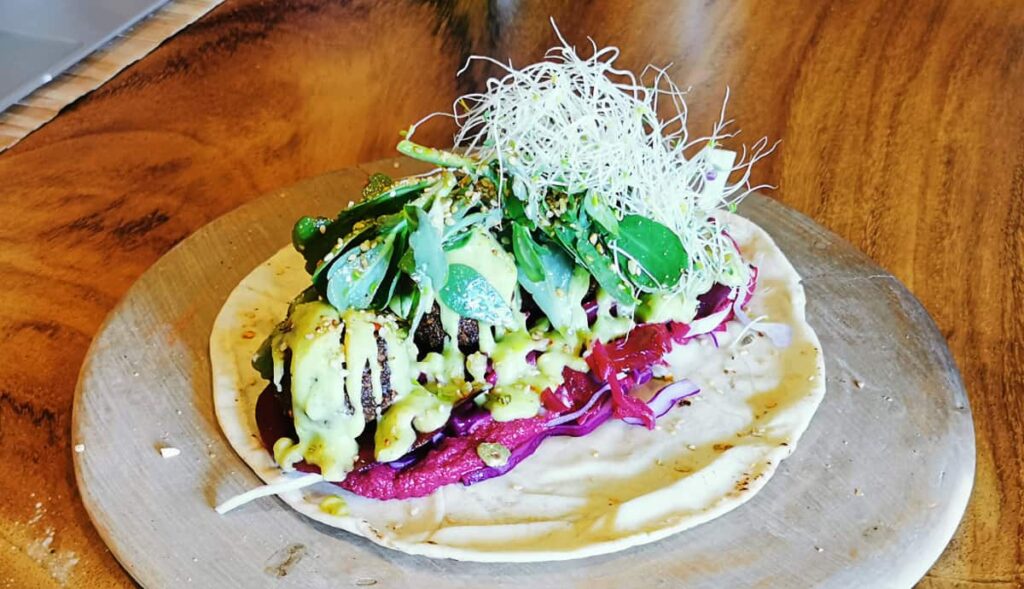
331,350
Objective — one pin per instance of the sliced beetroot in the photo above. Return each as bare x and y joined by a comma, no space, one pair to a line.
440,459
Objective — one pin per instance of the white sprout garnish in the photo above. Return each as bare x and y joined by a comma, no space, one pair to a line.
583,126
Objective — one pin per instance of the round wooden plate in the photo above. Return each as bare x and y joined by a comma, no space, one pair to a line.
869,499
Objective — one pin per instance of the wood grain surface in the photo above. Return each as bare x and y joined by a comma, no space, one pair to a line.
902,129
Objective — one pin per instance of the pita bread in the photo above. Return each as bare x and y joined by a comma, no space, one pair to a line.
618,487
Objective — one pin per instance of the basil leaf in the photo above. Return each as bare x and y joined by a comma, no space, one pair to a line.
551,291
470,295
600,212
428,254
354,279
600,267
656,249
527,253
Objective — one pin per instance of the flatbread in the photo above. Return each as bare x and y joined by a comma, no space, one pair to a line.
618,487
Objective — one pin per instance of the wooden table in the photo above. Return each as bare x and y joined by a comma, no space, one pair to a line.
902,127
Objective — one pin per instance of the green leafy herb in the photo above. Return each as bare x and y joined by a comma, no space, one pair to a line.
319,274
551,291
426,248
403,301
515,212
456,232
470,295
319,244
600,212
658,256
390,281
527,253
263,359
353,281
565,236
600,267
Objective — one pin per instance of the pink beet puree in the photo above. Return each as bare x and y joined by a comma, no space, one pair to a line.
444,465
455,455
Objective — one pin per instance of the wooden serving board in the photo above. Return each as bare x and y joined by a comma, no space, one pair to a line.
870,498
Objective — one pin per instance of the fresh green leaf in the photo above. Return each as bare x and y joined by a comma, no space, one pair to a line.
551,291
319,274
515,212
428,253
658,253
353,281
381,229
421,299
600,267
390,282
390,202
479,220
407,263
308,295
527,253
600,213
403,301
263,359
456,241
566,236
470,295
